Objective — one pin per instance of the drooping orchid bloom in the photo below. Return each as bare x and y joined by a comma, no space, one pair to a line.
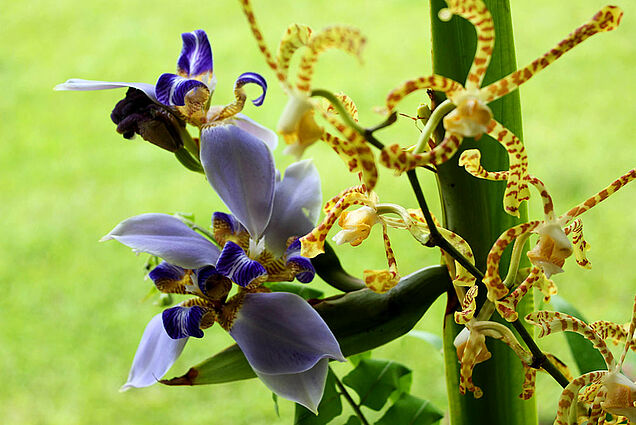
159,113
297,123
553,246
356,226
472,116
285,341
608,391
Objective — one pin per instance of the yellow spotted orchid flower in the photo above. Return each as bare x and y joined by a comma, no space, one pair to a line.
297,124
553,246
608,391
471,116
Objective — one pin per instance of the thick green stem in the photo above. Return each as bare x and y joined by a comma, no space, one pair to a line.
473,209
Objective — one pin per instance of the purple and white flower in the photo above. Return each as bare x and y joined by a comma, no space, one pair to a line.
283,338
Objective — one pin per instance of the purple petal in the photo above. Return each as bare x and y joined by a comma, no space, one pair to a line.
167,237
168,277
305,270
304,388
196,55
240,168
233,225
155,355
181,322
243,122
297,202
171,89
281,333
252,78
212,283
78,84
236,265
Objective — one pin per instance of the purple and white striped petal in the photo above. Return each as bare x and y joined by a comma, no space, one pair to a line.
280,333
155,354
233,226
305,271
252,78
236,265
305,388
166,237
240,168
171,89
78,84
182,322
195,60
169,278
243,122
297,201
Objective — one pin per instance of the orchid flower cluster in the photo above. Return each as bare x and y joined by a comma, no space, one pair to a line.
272,231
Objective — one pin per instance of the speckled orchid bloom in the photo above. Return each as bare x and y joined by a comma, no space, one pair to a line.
553,246
297,123
608,391
285,341
159,113
472,117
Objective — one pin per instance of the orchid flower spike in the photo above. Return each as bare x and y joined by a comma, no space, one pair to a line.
297,124
283,338
159,112
472,117
553,246
608,391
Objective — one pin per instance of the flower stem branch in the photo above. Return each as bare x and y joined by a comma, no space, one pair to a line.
433,121
539,360
349,399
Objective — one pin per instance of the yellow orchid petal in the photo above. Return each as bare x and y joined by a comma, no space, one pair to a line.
569,396
529,382
606,19
614,332
355,152
313,243
394,157
547,287
476,13
382,280
295,37
600,196
579,243
469,305
508,306
471,350
344,38
328,207
249,14
434,82
492,280
553,321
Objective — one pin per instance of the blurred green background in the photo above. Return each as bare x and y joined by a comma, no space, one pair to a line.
72,310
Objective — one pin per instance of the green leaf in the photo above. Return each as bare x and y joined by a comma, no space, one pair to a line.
374,380
410,410
360,320
330,270
275,400
431,338
355,360
587,357
303,291
330,406
353,420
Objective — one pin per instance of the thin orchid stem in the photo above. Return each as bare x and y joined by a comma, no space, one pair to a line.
433,121
349,399
539,359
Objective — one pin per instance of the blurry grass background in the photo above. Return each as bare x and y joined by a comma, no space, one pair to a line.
72,310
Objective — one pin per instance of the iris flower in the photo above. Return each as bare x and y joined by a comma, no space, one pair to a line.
159,113
471,116
285,341
608,391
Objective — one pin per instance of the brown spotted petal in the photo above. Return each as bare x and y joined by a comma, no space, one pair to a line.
551,250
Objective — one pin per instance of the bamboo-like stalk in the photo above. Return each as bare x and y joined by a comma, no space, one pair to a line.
473,209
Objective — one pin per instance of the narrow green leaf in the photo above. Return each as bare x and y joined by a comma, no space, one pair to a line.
410,410
303,291
587,358
431,338
374,380
330,270
330,406
275,400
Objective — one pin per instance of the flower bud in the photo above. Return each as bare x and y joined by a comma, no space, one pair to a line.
138,114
